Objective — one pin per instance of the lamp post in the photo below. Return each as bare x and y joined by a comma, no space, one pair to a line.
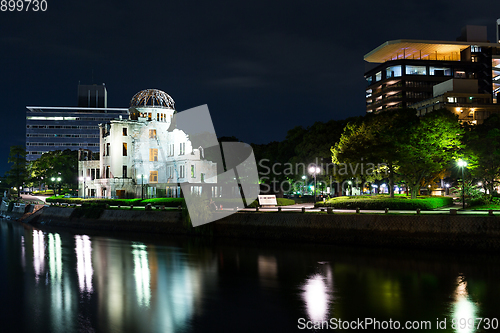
303,184
54,179
141,176
462,164
314,170
84,186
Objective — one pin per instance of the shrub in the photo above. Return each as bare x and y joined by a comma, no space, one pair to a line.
382,202
479,202
167,202
279,201
285,202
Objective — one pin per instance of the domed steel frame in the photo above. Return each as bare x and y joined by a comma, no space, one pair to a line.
152,98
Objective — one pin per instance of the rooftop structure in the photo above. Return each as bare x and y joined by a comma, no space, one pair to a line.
404,71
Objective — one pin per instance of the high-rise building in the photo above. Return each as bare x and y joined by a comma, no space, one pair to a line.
403,72
50,128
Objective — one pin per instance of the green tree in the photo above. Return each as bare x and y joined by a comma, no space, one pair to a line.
56,163
373,146
18,172
414,149
429,147
482,151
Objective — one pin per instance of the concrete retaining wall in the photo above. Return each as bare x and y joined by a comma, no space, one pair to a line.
140,221
475,225
460,232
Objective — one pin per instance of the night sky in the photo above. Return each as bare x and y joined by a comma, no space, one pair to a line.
263,67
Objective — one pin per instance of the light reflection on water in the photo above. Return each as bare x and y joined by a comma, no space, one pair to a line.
38,253
141,272
464,310
84,269
104,284
317,298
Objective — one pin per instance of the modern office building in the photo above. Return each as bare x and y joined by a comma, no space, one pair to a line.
50,128
145,154
403,72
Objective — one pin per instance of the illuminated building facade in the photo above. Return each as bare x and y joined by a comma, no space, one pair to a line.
144,154
461,98
403,72
60,128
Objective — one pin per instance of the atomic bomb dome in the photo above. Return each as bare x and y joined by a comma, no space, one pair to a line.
152,98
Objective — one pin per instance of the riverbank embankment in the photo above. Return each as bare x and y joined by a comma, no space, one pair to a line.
458,232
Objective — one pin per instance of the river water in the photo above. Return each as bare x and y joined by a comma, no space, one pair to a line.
57,280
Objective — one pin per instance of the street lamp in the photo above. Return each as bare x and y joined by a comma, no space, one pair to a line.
462,164
303,184
84,187
58,179
314,170
141,176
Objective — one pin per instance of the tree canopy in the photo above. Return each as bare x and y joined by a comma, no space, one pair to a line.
18,172
410,147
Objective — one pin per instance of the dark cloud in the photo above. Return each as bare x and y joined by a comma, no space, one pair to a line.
262,67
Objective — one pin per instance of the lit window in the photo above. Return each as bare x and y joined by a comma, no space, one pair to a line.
153,155
153,176
124,131
475,48
192,171
439,71
452,99
415,70
152,134
149,116
378,76
124,149
393,71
